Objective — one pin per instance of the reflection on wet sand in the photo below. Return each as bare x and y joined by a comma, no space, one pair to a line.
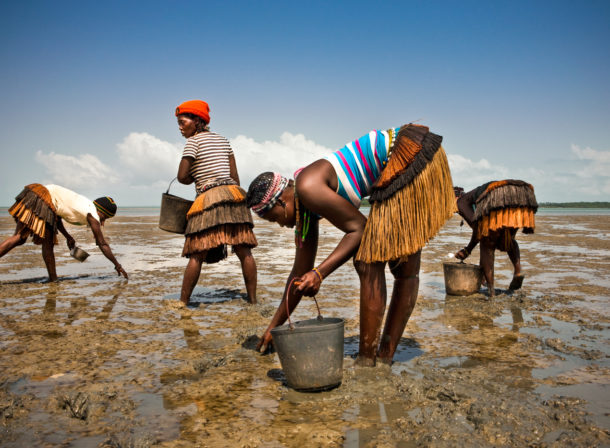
95,361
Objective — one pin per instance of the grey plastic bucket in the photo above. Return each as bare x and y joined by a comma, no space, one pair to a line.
462,279
311,353
172,216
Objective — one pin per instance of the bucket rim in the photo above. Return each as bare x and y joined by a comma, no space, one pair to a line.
327,323
460,264
173,196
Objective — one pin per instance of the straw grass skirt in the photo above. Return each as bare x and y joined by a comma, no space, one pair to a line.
505,207
507,204
34,209
218,217
412,199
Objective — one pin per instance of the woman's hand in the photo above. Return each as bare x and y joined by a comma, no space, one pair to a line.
308,284
70,242
265,342
462,254
120,271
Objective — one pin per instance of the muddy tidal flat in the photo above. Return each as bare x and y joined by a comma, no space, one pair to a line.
94,360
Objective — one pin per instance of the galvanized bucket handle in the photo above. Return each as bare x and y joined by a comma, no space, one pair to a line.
170,185
290,325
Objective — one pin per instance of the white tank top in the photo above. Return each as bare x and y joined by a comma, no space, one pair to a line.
70,206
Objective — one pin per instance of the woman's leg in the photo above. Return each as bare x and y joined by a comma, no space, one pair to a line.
48,256
515,257
372,306
191,276
487,249
20,237
248,269
404,296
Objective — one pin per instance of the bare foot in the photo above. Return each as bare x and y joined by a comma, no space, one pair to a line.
517,282
175,304
361,361
384,361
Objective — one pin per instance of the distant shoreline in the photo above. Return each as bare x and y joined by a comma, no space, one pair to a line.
574,204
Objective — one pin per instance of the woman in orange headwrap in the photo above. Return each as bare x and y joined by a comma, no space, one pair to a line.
495,211
219,216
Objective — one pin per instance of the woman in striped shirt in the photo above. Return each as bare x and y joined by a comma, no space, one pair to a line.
405,173
219,216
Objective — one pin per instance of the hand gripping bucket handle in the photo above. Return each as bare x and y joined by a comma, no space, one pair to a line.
288,310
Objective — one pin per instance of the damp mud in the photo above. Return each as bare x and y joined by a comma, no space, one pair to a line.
94,360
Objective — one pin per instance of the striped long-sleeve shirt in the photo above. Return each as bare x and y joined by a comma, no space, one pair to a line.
211,152
360,163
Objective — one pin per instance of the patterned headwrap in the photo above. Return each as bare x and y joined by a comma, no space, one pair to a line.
106,206
274,191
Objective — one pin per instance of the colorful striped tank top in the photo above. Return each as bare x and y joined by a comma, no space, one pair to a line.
359,163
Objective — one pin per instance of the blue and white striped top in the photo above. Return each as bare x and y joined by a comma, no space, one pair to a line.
360,163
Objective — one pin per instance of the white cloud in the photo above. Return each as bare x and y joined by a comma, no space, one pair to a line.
84,171
593,172
599,162
592,154
147,159
291,152
469,174
145,164
585,179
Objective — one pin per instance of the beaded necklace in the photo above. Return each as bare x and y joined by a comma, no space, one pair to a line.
301,228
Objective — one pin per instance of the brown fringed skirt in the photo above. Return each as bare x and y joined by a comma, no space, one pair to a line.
218,217
412,199
506,204
34,208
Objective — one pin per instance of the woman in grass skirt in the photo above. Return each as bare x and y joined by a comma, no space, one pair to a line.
495,211
40,210
406,174
219,216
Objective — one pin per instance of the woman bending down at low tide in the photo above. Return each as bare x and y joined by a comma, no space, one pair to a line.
406,174
40,210
219,216
496,211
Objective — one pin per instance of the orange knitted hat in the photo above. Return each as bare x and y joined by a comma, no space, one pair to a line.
195,107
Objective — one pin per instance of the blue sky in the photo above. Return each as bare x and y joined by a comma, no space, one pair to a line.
517,89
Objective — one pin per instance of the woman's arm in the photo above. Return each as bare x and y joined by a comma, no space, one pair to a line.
184,171
69,240
96,228
464,253
303,262
314,190
465,206
233,168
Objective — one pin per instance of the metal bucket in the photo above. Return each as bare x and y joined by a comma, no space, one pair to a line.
172,217
79,254
462,279
311,353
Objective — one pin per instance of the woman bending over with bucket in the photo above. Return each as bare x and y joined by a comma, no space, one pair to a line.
40,211
495,211
219,215
406,174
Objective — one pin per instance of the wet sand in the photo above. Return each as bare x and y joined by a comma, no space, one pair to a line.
97,361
